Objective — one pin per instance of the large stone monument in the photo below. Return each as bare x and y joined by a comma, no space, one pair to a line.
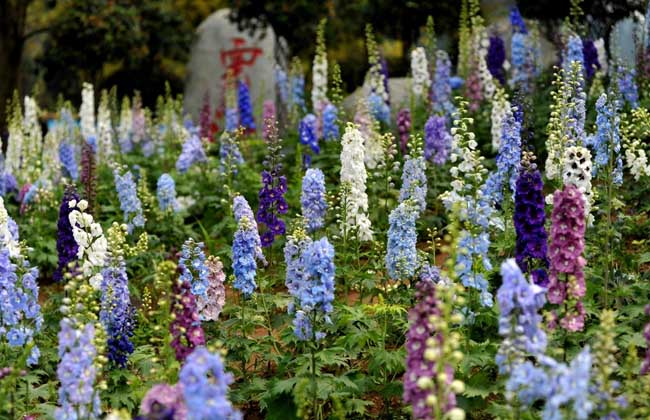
220,46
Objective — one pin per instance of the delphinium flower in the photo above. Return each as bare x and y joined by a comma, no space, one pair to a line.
282,83
517,21
124,129
645,365
566,277
330,122
87,111
91,242
418,365
8,183
577,172
369,128
573,53
353,172
117,315
566,126
500,108
20,312
319,71
401,251
607,390
307,132
420,72
192,153
473,90
205,115
529,219
519,320
241,209
211,304
130,204
590,55
316,292
297,84
66,246
243,256
404,127
272,203
104,129
607,140
166,193
268,114
185,327
32,141
16,138
496,56
634,130
441,87
205,384
432,353
297,242
507,160
378,95
164,401
77,372
470,208
68,161
230,157
313,199
437,140
626,81
245,107
480,46
88,175
414,178
193,268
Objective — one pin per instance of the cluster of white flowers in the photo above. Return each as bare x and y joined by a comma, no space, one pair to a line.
7,240
500,108
15,143
374,151
87,111
353,172
104,129
602,54
33,136
480,46
50,157
89,236
125,126
420,72
577,172
636,159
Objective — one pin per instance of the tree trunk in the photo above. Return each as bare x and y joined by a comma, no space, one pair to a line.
12,29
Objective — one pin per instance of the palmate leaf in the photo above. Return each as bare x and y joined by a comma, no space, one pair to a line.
389,361
332,356
356,406
283,386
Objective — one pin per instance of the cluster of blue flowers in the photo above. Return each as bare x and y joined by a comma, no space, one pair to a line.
626,81
282,82
330,126
607,138
517,21
307,132
474,246
117,315
573,53
378,108
496,56
193,268
20,313
129,201
441,86
232,119
166,193
414,182
401,255
437,140
192,153
76,372
205,387
507,160
243,256
66,245
556,383
68,162
590,54
312,199
246,119
520,51
297,82
294,249
241,209
313,286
